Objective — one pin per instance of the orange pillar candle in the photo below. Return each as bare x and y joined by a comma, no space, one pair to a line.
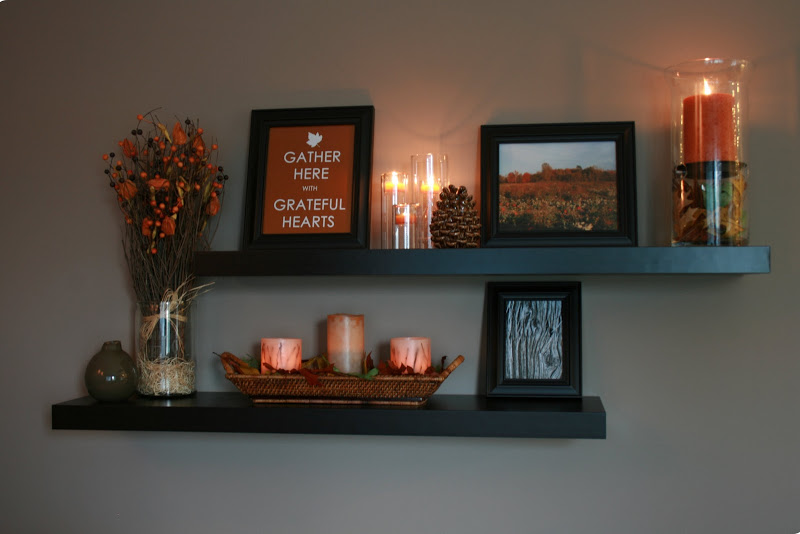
404,216
281,353
708,128
413,352
346,342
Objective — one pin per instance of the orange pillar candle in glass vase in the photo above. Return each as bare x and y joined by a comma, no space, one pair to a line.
412,352
709,158
346,342
708,132
284,354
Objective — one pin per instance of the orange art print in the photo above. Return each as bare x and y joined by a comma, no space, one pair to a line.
309,185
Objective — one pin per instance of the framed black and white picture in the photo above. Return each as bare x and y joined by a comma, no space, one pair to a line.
533,339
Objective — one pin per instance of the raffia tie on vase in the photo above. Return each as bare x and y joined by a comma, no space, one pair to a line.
150,322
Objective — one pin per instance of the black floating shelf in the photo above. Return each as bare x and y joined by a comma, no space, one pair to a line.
486,261
443,415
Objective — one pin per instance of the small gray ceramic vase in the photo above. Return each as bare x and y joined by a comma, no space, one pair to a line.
111,374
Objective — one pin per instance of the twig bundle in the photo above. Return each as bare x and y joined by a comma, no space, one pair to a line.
168,188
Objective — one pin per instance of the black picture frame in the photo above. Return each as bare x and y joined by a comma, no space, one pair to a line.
268,130
533,339
544,211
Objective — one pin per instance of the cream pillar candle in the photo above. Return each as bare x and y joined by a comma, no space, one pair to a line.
281,353
413,352
346,342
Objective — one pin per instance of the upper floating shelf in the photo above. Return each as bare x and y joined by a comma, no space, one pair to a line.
486,261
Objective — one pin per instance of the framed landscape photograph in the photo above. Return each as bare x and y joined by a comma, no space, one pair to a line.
308,178
558,185
533,339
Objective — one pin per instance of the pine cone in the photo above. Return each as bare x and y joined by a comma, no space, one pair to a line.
455,223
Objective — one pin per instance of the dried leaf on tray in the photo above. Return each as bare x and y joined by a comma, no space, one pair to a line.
391,369
310,377
233,364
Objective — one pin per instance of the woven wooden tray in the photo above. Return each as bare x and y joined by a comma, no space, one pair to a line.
401,390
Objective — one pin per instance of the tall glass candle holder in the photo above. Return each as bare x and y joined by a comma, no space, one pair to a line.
429,177
709,163
394,190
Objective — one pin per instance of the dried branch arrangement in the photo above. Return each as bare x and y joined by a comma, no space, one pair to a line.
168,186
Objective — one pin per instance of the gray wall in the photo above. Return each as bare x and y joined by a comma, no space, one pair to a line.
698,374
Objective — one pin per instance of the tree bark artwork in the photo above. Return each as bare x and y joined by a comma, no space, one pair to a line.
534,340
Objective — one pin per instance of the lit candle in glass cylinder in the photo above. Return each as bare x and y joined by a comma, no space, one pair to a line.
412,352
429,176
394,189
404,226
709,160
346,342
284,354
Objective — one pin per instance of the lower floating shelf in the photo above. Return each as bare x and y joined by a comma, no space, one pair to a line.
443,415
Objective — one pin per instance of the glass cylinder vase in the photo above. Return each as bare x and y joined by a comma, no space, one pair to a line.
429,177
404,226
709,156
164,349
394,191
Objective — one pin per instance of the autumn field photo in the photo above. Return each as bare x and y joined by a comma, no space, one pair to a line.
557,187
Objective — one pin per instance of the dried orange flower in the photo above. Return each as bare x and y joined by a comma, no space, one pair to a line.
212,208
128,148
198,144
147,224
168,226
126,189
178,135
158,183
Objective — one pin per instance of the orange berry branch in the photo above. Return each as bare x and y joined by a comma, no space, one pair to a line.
168,186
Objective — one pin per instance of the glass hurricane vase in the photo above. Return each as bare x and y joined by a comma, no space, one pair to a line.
164,349
709,152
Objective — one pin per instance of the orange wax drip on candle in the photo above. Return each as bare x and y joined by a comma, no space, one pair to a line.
708,133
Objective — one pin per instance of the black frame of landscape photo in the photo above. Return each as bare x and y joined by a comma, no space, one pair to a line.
570,184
